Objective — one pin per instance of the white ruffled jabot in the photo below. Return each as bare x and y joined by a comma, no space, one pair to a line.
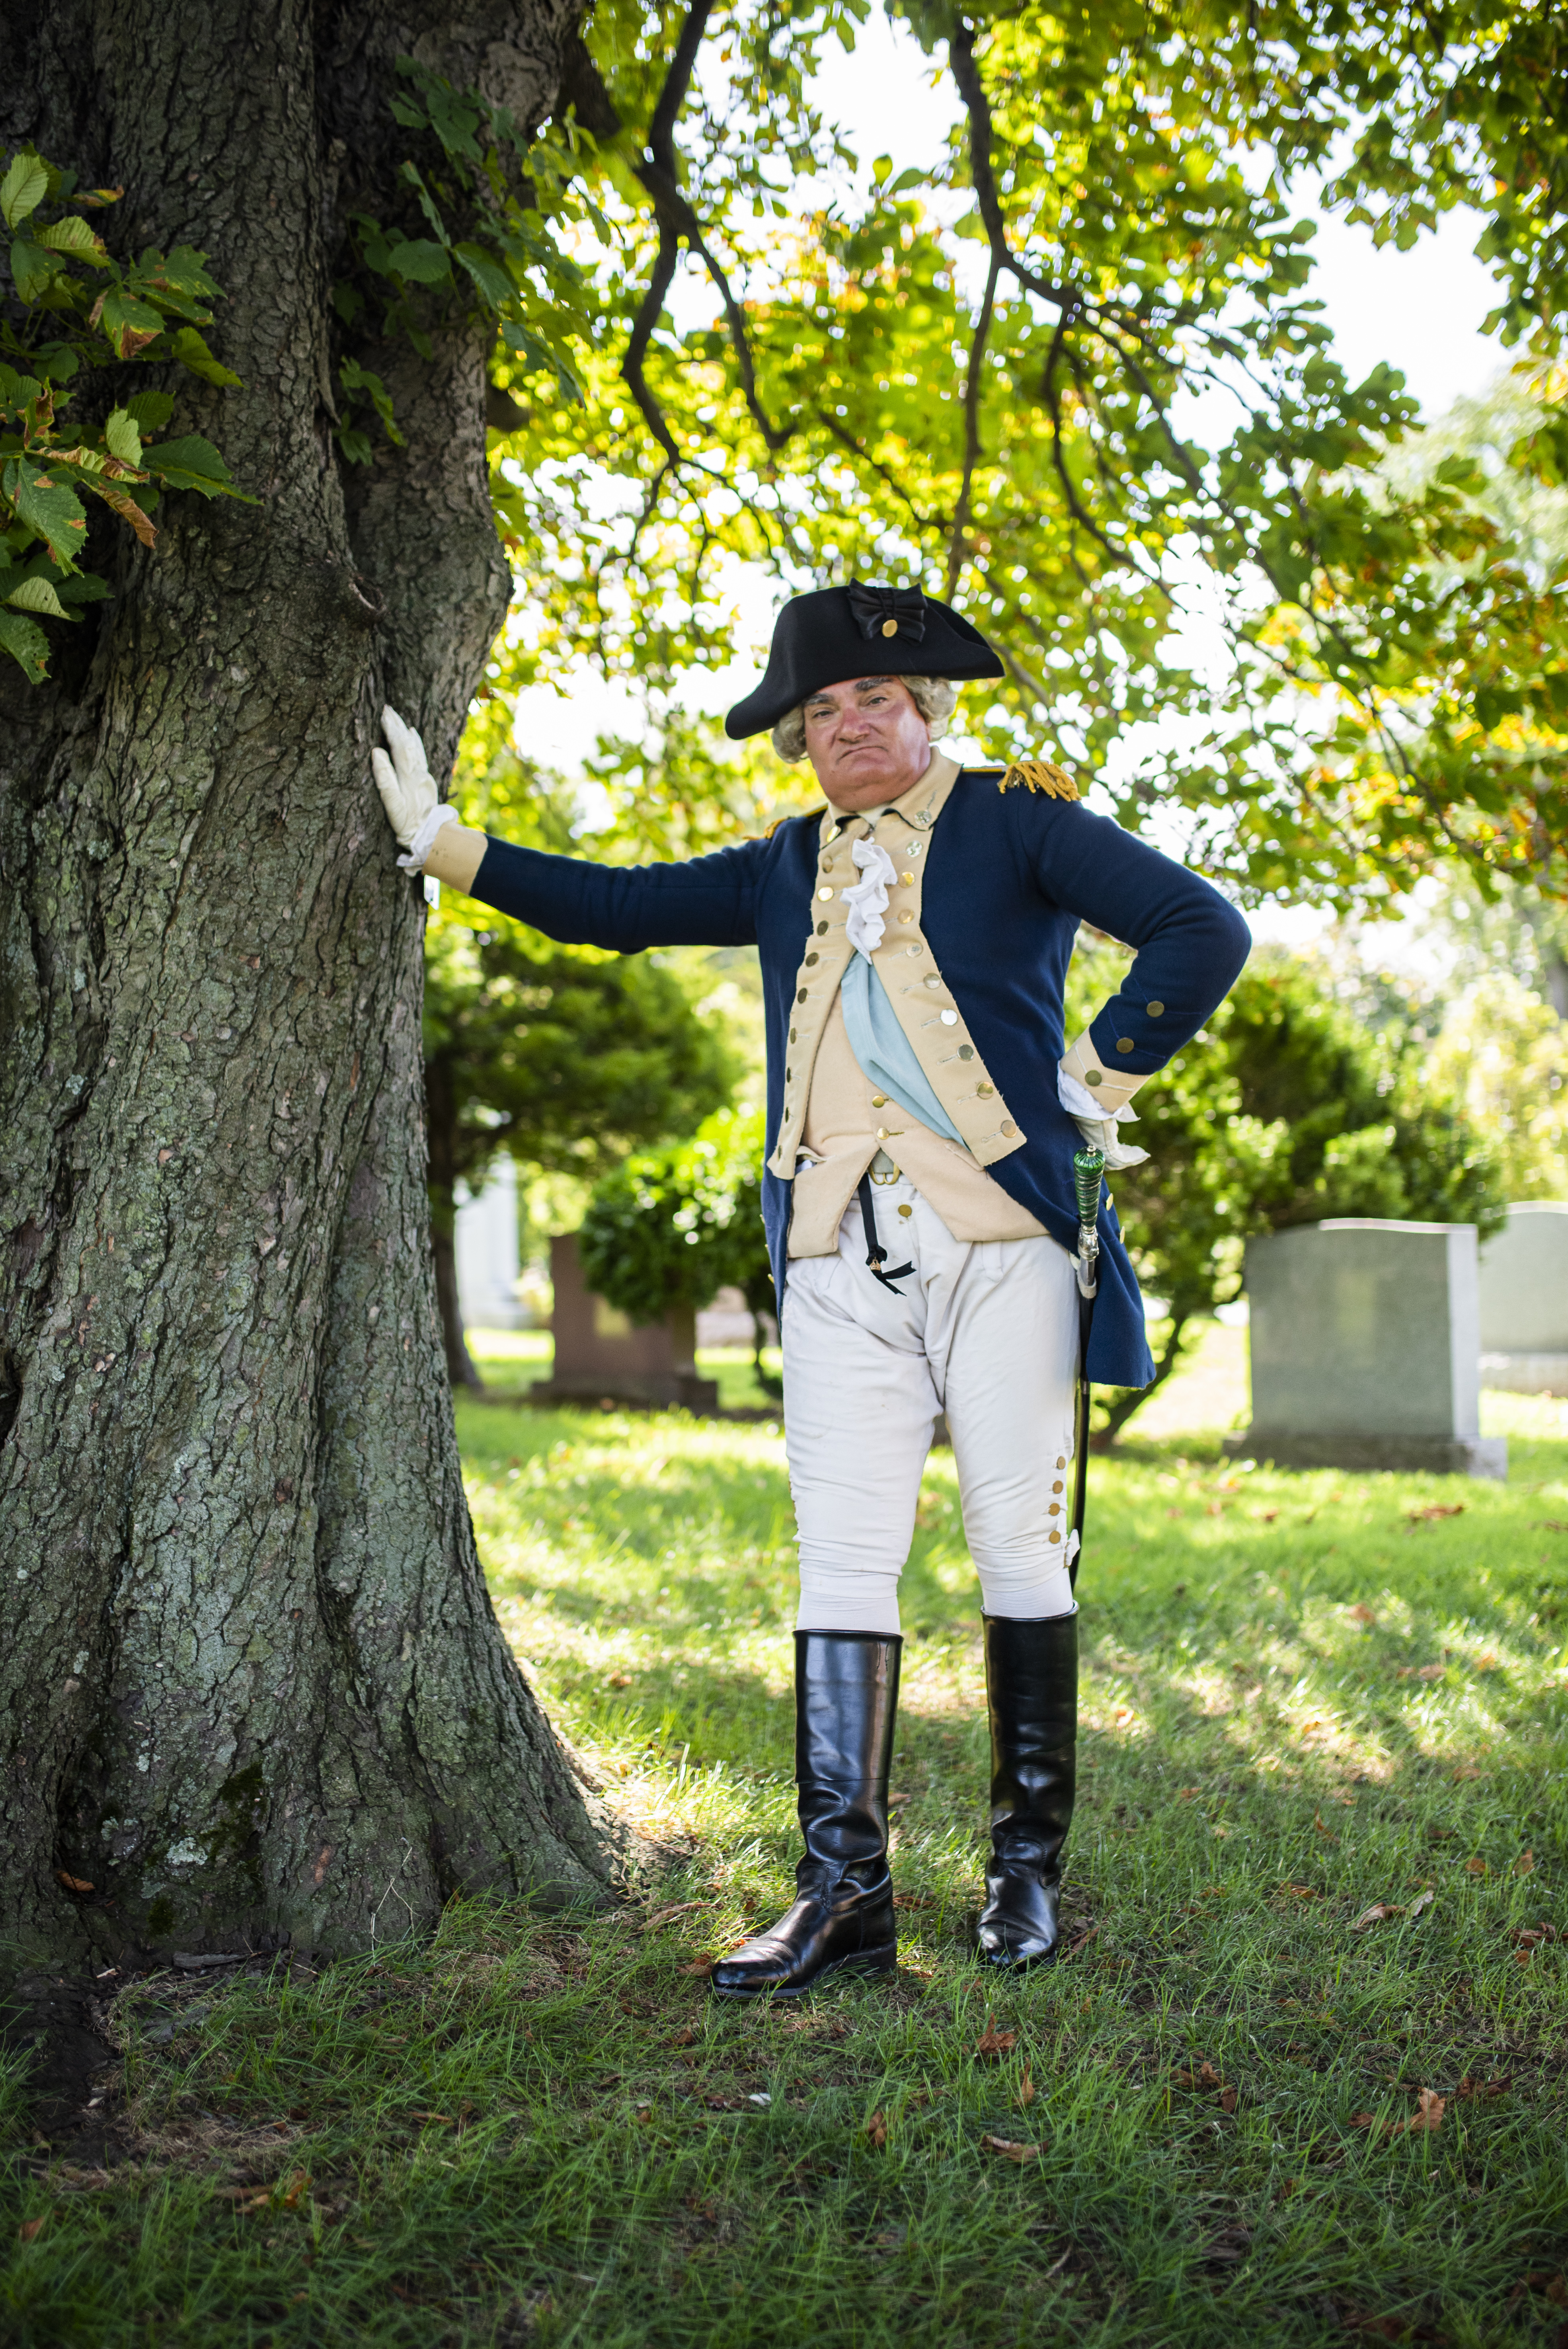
867,899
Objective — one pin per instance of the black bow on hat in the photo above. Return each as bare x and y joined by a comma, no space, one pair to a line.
837,634
888,611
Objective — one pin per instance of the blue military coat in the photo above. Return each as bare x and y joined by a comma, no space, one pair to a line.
1002,902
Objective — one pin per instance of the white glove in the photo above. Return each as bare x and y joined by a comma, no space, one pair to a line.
408,794
1098,1130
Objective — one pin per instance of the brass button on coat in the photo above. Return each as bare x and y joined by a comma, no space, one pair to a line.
1096,1077
1008,1126
950,1018
1058,1485
1124,1044
1156,1011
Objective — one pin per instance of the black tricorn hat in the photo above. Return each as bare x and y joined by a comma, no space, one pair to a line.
854,631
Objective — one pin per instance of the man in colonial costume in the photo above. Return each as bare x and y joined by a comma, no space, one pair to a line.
924,1108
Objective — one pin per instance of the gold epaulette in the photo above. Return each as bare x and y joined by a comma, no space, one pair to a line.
1040,775
818,813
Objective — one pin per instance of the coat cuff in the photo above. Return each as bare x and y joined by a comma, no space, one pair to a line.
456,855
1111,1089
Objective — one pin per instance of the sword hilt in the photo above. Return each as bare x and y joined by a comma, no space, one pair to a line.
1089,1169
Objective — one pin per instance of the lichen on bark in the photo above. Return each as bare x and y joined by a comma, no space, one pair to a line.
251,1683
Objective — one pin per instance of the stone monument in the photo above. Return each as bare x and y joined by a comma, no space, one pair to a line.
1524,1301
601,1357
1366,1349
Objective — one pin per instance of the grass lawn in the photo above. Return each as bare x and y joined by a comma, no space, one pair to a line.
1301,2078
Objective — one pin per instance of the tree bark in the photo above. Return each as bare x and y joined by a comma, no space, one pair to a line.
250,1685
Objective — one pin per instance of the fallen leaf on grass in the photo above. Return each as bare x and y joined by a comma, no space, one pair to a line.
1375,1914
701,1966
684,2038
1466,1770
876,2132
1525,1864
1301,1891
1427,2116
1433,1510
662,1917
1026,2089
1328,1834
993,2042
1422,1900
1391,2328
1529,1936
1476,1866
1555,2287
27,2230
1008,2149
1084,1938
1362,1613
1227,2100
1421,1671
1482,2088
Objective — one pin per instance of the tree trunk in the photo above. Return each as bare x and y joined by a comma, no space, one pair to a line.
441,1126
251,1684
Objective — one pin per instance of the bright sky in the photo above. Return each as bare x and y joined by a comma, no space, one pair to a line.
1421,311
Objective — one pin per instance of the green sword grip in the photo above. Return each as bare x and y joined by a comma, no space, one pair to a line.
1088,1167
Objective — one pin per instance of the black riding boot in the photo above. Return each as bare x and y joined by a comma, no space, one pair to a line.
1031,1681
846,1694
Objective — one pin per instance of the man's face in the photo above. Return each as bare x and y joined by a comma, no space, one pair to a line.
867,741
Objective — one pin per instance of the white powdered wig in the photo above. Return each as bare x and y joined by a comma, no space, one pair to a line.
935,698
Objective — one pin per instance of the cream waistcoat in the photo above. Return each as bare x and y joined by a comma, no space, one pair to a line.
831,1112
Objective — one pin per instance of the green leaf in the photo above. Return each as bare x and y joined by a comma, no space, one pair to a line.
37,594
123,439
191,350
354,378
17,391
355,446
32,268
488,275
192,464
128,324
73,235
23,188
177,280
47,506
420,260
26,642
150,410
82,587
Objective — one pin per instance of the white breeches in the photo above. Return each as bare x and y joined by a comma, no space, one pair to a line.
986,1330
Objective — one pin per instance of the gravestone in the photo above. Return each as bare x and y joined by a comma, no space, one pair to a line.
485,1245
601,1357
1524,1301
1366,1349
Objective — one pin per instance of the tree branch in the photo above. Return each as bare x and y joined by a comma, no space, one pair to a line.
956,544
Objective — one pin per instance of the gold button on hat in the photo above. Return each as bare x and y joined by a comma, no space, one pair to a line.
890,627
1124,1044
1156,1011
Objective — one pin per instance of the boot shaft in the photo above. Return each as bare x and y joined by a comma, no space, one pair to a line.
1031,1687
846,1704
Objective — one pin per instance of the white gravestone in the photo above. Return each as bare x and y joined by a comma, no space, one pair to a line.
485,1244
1524,1301
1366,1349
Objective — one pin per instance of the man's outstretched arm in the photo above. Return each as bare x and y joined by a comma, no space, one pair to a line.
707,901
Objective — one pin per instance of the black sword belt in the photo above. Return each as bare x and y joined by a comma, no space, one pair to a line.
876,1255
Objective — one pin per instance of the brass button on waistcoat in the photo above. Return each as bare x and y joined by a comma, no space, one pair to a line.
908,917
800,994
967,1051
824,893
1008,1126
821,929
794,1035
950,1018
811,959
985,1091
879,1100
1058,1485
